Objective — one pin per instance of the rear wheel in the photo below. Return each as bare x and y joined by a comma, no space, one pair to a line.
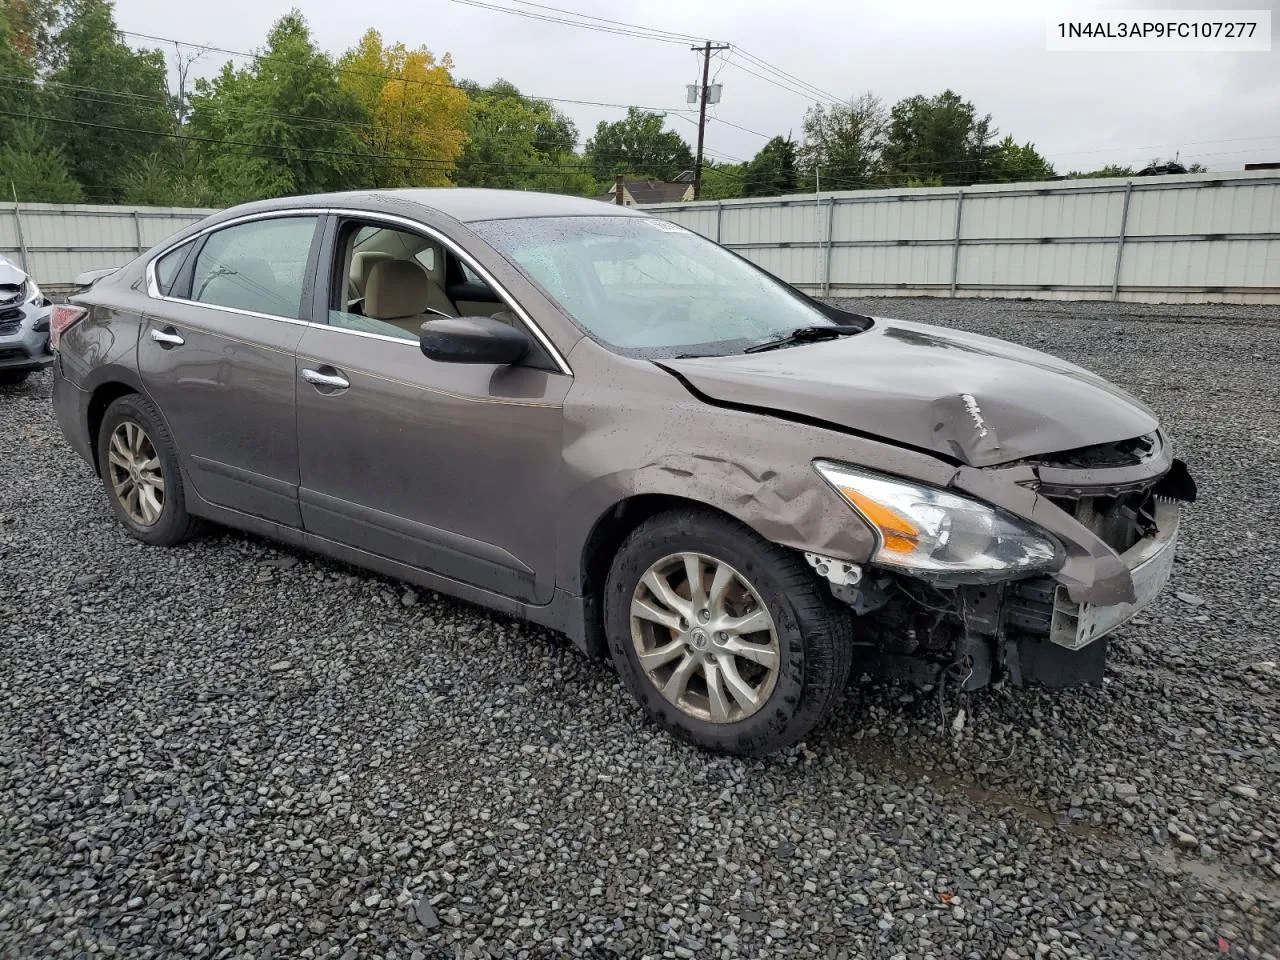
140,472
727,640
11,378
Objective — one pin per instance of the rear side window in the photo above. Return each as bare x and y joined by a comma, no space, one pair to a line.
256,266
167,268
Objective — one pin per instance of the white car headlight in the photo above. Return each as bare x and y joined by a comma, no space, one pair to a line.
937,534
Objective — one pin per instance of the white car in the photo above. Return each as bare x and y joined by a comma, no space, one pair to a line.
24,325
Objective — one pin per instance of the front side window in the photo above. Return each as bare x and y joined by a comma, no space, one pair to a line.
257,266
648,288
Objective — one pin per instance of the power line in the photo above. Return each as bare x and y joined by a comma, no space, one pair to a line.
683,38
317,151
778,71
388,76
785,86
642,33
162,100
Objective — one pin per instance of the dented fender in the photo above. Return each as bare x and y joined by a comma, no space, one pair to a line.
757,470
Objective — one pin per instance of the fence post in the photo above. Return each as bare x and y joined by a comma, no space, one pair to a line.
1124,224
955,247
719,217
137,231
826,253
22,239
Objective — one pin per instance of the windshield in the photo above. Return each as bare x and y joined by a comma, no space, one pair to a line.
648,288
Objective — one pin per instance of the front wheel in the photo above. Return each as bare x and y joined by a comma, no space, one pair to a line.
727,640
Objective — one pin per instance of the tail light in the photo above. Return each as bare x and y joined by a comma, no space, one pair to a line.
65,316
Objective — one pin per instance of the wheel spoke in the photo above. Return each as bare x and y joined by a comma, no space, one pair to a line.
660,656
741,690
659,587
679,681
753,622
151,507
116,459
693,572
715,693
648,611
122,486
151,464
156,480
719,587
755,652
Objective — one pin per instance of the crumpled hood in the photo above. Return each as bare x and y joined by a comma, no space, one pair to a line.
976,399
10,274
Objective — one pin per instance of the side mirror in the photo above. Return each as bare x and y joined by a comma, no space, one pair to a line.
472,340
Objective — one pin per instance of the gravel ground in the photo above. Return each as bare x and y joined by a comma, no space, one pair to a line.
231,750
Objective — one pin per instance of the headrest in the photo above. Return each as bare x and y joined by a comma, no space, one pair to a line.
396,289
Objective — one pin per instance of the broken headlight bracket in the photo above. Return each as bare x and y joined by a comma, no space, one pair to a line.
848,583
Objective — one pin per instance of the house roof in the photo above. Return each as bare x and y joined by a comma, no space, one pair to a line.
651,191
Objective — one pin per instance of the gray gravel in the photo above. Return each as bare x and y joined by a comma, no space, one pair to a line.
230,750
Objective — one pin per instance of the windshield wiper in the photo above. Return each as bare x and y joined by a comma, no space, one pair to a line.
802,335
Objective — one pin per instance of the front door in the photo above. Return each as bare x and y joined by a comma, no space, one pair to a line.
446,467
217,356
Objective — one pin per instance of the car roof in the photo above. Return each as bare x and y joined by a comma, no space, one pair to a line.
467,204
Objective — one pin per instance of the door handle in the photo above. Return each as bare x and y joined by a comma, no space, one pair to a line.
168,337
333,380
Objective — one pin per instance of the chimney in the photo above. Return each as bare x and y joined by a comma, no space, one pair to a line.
619,191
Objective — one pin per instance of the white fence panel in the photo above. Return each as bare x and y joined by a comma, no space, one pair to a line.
1205,238
56,242
1195,238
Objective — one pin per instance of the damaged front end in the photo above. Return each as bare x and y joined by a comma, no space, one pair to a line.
1001,606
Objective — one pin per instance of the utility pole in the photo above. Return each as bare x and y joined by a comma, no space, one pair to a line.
707,49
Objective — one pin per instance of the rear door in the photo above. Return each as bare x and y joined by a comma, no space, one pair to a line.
217,355
450,468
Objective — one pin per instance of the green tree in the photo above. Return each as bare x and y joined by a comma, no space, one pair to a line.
771,172
842,144
282,125
637,146
722,181
34,25
940,136
1111,170
19,95
34,170
166,180
1011,163
102,134
518,142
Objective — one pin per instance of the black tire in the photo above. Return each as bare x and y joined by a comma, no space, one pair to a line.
174,524
815,634
12,378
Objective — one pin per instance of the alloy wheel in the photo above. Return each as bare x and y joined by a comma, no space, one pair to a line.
136,476
704,637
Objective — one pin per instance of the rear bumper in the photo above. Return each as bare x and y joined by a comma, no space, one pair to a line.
24,340
71,407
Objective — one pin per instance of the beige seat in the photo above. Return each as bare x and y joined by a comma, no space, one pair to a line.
397,292
361,264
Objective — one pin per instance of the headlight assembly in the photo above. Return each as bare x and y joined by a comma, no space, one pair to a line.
941,535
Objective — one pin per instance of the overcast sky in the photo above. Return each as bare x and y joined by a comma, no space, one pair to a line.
1082,110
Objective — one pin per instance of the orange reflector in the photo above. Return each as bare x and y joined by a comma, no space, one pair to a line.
900,535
